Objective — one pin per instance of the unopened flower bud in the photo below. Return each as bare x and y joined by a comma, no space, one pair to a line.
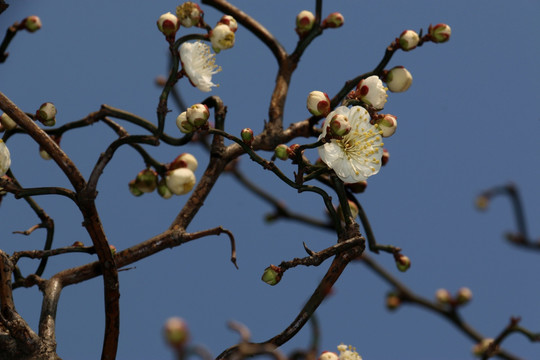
480,348
183,124
77,244
221,37
272,275
482,202
113,250
352,206
146,180
189,14
464,295
328,355
197,115
318,103
7,122
163,189
168,24
385,157
184,160
408,40
31,23
281,152
403,262
358,187
443,296
176,332
387,124
180,181
439,33
247,136
372,91
304,22
339,126
44,154
334,20
134,189
46,114
392,301
398,79
291,150
229,21
5,158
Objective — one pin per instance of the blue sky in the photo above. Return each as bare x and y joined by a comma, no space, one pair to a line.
468,122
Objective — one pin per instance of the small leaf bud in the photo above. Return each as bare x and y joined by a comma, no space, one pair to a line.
113,250
304,22
482,202
184,160
439,33
403,262
393,301
463,296
163,189
31,23
229,21
247,136
168,24
328,355
197,115
146,180
180,181
222,37
281,152
339,126
334,20
176,332
134,189
443,296
387,124
385,157
272,275
480,348
318,103
398,79
77,244
183,124
408,40
46,114
7,122
189,14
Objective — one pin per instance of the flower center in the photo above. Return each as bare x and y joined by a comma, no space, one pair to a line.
361,147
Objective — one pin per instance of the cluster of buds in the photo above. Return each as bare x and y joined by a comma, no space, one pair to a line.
194,118
272,275
334,20
189,14
31,23
46,114
304,22
387,123
176,332
370,91
168,24
403,262
439,33
7,122
222,35
462,297
398,79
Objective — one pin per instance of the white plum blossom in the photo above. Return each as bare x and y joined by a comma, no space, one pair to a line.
372,91
358,154
199,63
5,158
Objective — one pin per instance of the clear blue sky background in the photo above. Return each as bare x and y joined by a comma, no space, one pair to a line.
470,121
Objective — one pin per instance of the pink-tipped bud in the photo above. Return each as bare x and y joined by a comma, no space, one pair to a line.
31,23
464,295
229,21
304,22
398,79
247,136
393,301
189,14
197,115
408,40
282,152
180,181
146,180
222,37
133,188
168,24
176,332
403,262
439,33
334,20
443,296
46,114
184,160
385,157
387,124
7,122
328,355
272,275
339,126
318,103
371,91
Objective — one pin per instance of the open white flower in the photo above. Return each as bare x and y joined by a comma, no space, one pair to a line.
199,63
5,159
358,154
